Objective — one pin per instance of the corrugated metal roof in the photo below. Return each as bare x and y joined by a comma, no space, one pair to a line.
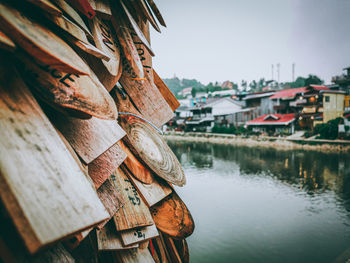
273,119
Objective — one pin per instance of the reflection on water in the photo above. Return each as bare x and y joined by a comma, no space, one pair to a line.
265,205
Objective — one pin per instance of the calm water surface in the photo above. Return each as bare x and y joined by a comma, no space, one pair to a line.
265,205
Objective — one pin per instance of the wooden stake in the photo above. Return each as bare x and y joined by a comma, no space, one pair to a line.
56,200
39,42
172,217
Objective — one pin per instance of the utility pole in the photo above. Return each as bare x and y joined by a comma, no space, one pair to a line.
278,74
293,72
272,70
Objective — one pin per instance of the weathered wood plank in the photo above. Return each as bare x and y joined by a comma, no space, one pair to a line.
163,253
147,12
110,71
6,43
102,8
172,217
134,213
81,93
40,42
89,138
111,199
103,166
166,92
174,255
145,142
183,250
151,193
137,235
84,7
134,255
136,168
56,200
156,11
109,239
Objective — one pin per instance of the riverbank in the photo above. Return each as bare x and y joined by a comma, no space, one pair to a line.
282,143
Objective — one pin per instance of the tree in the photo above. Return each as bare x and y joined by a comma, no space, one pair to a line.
193,92
313,79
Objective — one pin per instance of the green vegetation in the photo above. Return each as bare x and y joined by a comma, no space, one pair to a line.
328,130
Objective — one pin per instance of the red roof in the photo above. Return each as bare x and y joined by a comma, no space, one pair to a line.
273,119
288,93
318,87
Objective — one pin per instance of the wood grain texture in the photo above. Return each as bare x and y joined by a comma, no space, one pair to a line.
137,235
130,60
102,8
183,250
110,71
145,142
137,30
166,92
111,199
151,193
56,200
136,168
89,138
162,250
103,166
134,255
41,43
70,12
82,93
134,213
84,7
173,217
109,239
156,12
148,13
6,43
47,6
174,255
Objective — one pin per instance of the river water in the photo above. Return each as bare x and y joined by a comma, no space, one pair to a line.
265,205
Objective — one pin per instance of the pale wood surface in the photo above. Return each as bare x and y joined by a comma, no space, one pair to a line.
156,12
166,92
109,239
89,138
139,234
134,255
6,43
47,6
103,166
84,7
151,193
102,8
172,217
134,213
145,142
73,15
110,198
137,169
41,43
110,71
56,200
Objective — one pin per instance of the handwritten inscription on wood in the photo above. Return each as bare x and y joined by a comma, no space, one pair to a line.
138,235
41,43
134,213
56,200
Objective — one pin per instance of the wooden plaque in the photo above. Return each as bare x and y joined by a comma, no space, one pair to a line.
56,200
137,235
156,11
172,217
38,41
134,213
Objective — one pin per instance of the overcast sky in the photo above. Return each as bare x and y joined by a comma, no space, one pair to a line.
240,39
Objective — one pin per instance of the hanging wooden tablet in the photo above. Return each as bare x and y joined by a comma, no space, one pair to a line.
147,13
137,235
84,7
110,198
110,71
161,249
89,138
81,93
137,169
39,42
56,200
71,13
145,142
102,8
6,43
156,12
166,92
134,255
141,37
109,239
134,213
174,255
182,249
47,6
151,193
172,217
103,166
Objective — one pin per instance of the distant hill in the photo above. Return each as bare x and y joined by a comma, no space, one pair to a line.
176,85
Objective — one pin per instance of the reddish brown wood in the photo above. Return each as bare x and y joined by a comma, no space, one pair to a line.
156,11
6,43
84,7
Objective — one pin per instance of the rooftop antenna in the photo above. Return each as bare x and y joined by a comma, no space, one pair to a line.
293,72
278,74
272,69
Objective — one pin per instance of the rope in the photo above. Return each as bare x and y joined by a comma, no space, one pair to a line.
135,78
150,123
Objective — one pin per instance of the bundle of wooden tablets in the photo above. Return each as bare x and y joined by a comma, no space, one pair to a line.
85,175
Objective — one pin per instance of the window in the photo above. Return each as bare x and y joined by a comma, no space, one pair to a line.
326,98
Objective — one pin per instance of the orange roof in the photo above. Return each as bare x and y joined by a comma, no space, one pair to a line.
288,93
